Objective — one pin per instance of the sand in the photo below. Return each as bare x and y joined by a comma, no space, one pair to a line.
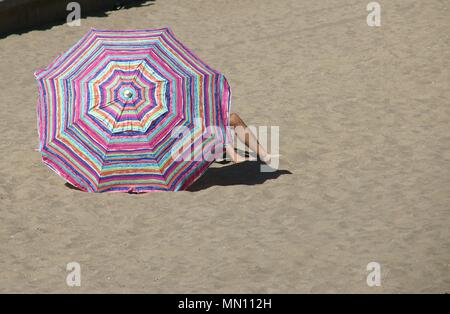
364,122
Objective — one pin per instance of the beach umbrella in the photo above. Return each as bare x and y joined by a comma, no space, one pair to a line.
131,111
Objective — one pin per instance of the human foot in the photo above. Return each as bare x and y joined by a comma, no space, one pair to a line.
238,158
267,158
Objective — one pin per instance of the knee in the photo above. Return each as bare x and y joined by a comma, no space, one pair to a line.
234,118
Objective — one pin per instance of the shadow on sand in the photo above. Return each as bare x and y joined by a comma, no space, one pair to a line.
28,15
245,173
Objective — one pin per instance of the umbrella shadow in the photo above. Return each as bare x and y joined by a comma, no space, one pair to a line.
244,173
42,15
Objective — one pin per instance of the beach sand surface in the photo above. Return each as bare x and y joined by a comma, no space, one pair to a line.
364,119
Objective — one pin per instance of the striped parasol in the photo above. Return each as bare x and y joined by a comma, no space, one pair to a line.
131,111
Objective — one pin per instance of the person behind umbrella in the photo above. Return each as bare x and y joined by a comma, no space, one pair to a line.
245,135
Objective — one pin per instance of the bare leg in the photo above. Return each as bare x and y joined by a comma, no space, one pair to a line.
247,137
235,157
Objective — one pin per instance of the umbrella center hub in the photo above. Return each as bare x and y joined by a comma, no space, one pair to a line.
128,94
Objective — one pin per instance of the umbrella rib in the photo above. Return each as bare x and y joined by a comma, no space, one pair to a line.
138,69
103,106
119,115
108,103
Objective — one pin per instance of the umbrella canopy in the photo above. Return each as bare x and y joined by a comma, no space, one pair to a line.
131,111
